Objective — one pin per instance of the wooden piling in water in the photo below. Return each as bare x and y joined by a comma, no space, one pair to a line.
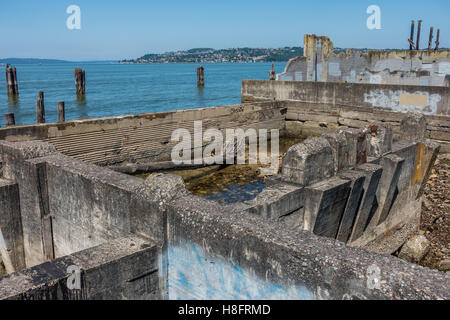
61,112
11,81
200,77
80,81
40,110
9,119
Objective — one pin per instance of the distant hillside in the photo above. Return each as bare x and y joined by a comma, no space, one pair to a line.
14,61
30,61
223,55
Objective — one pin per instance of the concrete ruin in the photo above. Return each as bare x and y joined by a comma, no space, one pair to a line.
341,204
405,67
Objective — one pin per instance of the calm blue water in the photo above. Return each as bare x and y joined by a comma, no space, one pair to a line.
115,89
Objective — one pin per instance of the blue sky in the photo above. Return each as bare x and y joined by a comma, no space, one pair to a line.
130,29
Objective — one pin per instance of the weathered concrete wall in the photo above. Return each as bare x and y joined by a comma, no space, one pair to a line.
30,177
204,250
219,254
125,268
145,136
314,108
320,63
68,205
399,98
354,185
11,223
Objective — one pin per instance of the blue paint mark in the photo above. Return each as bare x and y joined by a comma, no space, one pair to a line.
195,274
239,282
183,281
202,266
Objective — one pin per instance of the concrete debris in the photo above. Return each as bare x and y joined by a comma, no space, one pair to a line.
415,249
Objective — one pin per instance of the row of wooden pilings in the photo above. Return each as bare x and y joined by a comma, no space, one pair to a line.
13,87
13,90
40,112
80,84
80,79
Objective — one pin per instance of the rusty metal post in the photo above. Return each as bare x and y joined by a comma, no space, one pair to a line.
419,27
272,73
437,39
411,39
430,41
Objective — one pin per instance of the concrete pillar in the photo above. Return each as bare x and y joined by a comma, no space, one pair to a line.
308,162
413,126
359,139
343,150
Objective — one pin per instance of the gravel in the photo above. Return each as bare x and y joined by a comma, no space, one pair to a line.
435,222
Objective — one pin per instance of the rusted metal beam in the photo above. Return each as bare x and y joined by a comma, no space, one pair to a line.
419,27
411,38
437,39
272,73
430,42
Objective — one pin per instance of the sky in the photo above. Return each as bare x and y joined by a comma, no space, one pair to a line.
112,30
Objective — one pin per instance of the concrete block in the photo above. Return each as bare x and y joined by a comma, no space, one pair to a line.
357,179
324,206
124,268
387,188
413,126
372,174
308,162
381,137
343,152
279,201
